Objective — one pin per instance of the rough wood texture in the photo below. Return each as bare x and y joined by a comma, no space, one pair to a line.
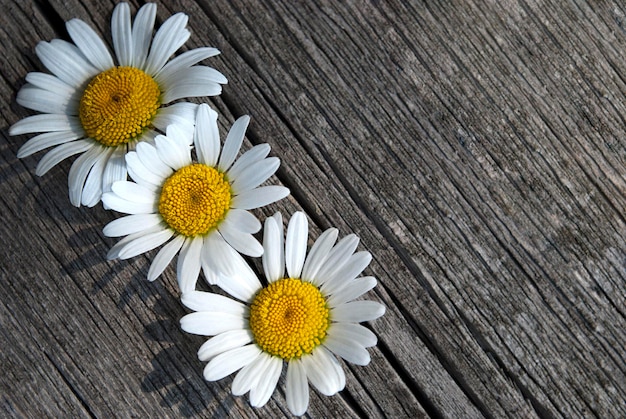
478,148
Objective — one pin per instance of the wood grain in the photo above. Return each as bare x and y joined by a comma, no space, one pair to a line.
478,148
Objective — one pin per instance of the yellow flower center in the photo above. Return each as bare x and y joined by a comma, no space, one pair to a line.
195,199
289,318
118,104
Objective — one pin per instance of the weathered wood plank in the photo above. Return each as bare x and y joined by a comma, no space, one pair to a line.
478,149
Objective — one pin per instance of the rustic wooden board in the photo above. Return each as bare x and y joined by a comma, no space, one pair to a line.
478,148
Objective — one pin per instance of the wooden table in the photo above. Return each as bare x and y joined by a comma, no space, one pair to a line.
478,148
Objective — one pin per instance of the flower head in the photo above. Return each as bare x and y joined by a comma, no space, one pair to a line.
101,108
302,318
201,206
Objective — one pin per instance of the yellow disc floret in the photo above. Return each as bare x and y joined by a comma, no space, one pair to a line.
289,318
118,105
195,199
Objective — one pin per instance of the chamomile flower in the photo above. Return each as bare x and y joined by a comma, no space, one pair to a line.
201,206
99,107
303,318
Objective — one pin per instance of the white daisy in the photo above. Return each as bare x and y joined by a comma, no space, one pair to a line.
302,318
101,108
201,206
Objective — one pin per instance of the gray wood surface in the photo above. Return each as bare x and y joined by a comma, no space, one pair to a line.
478,148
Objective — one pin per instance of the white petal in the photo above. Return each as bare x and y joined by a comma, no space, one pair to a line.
233,142
45,123
65,61
206,74
249,375
171,152
235,288
242,221
244,243
348,349
210,275
182,135
131,224
79,171
170,36
140,173
188,268
262,391
134,192
318,254
147,136
224,342
357,311
296,388
92,191
142,34
352,290
255,174
144,244
208,301
236,276
122,34
115,169
206,136
164,257
256,153
191,88
52,84
90,44
324,371
353,332
181,114
295,245
228,362
338,257
60,153
193,82
45,140
259,197
45,101
348,272
113,201
274,250
211,323
198,74
148,155
114,251
183,61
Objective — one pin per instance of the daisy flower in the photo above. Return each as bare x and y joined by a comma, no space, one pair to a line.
101,108
201,206
301,318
